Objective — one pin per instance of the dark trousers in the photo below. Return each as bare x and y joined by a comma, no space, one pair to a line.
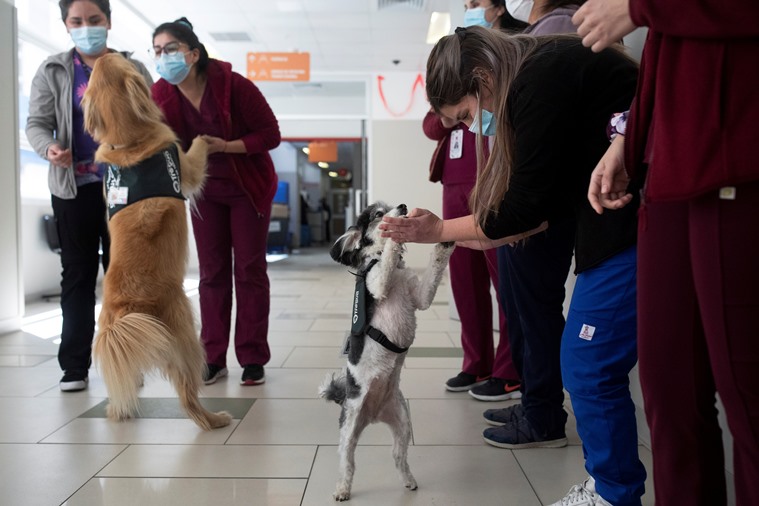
698,300
231,240
472,272
533,275
82,229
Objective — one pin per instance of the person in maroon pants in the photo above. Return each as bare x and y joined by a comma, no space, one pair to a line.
692,132
202,96
454,163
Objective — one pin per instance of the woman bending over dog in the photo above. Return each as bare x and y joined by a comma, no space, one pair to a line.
202,96
550,100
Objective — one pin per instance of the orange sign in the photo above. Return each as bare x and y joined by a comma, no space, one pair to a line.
279,66
322,151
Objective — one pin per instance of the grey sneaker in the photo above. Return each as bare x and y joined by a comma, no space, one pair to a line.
520,434
213,373
503,416
583,494
74,381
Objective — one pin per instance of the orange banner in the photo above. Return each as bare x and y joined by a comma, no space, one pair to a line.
279,66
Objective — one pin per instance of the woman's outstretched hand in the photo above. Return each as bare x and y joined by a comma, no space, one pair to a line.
419,225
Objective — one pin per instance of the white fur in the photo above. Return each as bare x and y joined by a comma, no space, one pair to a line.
398,293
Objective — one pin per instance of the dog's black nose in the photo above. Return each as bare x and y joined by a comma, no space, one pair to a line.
402,209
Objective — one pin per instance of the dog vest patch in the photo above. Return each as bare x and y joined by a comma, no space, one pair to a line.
157,176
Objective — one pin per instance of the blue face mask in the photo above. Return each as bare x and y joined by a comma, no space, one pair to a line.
90,40
488,124
172,67
476,17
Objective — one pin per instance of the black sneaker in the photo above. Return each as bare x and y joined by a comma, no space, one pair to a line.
503,416
213,373
497,389
520,434
253,375
74,381
463,382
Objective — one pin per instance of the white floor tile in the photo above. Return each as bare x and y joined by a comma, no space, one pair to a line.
299,421
220,461
447,476
29,420
46,475
189,492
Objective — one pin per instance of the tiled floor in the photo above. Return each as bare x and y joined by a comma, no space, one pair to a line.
57,448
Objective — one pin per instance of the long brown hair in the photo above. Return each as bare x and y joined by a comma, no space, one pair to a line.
462,64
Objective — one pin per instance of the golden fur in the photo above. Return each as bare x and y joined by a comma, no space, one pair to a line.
147,321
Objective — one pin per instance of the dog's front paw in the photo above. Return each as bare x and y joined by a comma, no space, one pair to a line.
411,484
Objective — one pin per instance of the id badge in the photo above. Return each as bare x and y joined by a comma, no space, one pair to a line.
118,196
457,144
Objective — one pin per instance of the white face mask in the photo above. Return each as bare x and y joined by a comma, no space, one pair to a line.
519,9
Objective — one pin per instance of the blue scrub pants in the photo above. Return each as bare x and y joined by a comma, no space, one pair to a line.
598,351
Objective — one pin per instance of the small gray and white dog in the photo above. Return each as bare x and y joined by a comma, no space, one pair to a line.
384,324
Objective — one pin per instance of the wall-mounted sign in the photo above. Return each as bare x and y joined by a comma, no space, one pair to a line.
279,66
322,151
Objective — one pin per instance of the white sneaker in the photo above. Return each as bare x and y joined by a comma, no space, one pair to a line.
583,494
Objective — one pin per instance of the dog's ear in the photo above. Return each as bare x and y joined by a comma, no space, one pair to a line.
346,249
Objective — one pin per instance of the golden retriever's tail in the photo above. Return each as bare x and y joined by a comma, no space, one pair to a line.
139,342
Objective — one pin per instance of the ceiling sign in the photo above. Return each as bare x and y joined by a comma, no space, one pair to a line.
322,151
279,66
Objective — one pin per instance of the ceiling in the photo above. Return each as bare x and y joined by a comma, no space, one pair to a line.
342,36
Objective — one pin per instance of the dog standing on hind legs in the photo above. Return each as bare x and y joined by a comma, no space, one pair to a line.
384,325
146,321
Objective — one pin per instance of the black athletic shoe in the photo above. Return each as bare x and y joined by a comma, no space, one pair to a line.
463,381
253,375
213,373
497,389
74,381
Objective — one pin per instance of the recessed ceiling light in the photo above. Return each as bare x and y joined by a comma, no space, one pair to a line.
440,25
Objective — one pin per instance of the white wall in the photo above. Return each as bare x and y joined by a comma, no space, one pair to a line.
11,288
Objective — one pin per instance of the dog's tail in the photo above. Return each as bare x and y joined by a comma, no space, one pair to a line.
333,388
124,350
139,342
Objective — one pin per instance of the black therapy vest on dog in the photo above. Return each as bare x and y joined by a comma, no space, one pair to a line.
157,176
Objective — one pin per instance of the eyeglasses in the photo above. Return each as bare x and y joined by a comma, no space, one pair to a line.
170,49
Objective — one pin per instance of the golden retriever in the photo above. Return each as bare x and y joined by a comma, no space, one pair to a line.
147,321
